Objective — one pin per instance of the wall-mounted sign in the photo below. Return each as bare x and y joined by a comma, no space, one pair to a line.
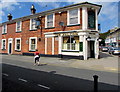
26,41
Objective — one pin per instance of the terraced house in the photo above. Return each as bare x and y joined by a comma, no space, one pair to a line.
66,31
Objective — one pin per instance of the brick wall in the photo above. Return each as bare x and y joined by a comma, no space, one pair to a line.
26,34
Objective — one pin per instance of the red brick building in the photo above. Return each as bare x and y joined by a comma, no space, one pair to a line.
67,31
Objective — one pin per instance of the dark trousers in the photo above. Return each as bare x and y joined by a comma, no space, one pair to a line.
37,59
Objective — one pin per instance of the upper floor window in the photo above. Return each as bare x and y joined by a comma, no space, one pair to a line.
18,44
18,26
73,17
3,45
32,24
91,19
4,29
49,21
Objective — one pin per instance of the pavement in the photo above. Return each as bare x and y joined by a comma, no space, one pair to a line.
107,63
106,67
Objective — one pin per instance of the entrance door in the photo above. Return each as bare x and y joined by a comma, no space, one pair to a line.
92,52
10,45
10,48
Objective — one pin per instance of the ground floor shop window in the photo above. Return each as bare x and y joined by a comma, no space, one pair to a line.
3,47
70,43
18,44
33,43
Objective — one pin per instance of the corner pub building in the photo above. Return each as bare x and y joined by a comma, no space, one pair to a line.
66,31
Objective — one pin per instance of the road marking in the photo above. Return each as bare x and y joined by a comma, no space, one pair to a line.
5,74
43,86
22,80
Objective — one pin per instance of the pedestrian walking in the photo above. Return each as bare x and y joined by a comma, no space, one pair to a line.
36,57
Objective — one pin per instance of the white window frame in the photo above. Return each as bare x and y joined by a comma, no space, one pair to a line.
31,24
53,20
68,16
3,28
16,44
2,43
30,43
20,26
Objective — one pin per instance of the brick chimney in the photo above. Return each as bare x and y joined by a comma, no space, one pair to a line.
9,17
33,10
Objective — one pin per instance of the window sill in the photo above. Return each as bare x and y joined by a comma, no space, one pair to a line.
33,30
32,50
50,28
18,50
70,51
4,33
3,49
18,31
73,25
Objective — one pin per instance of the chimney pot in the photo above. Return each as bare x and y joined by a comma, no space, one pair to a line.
9,17
33,10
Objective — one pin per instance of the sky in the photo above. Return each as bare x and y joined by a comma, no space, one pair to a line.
108,16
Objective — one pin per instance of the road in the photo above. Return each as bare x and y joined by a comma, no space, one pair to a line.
19,75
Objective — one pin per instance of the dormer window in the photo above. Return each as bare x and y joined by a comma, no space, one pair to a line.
49,22
33,24
18,26
73,17
4,29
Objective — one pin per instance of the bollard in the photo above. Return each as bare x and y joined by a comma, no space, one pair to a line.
95,83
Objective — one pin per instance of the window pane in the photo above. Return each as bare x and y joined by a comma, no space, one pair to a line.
74,20
73,12
33,24
91,19
81,46
33,43
73,16
50,20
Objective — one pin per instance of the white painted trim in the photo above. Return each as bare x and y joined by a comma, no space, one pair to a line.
78,15
71,53
45,21
30,42
30,23
68,17
10,40
16,43
45,45
84,18
2,43
60,44
85,48
52,45
53,19
96,18
50,35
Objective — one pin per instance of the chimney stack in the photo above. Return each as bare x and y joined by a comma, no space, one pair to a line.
33,10
9,17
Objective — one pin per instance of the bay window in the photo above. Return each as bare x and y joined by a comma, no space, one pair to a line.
70,43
